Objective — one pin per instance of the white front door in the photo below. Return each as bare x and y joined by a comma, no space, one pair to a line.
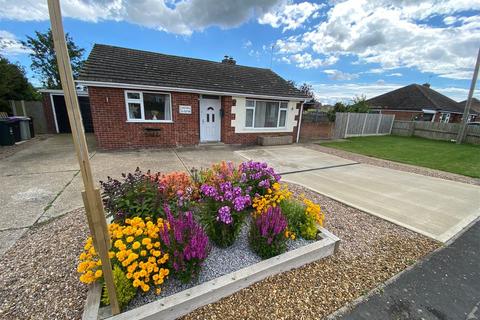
210,120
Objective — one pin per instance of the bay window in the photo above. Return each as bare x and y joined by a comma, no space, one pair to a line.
148,106
265,114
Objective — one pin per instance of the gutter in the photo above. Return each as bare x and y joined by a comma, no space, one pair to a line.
299,126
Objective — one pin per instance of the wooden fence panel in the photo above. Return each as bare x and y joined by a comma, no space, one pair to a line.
435,130
362,124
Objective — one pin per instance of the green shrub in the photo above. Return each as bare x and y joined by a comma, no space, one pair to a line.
299,222
124,287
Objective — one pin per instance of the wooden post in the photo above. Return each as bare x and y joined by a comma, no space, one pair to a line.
91,195
466,112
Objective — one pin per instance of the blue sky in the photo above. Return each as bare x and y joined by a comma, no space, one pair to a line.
343,48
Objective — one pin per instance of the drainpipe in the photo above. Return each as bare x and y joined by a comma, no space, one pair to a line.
299,126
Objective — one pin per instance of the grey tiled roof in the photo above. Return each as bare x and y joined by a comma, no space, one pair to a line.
121,65
414,97
474,108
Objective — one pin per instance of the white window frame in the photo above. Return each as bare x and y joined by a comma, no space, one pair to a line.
142,109
280,109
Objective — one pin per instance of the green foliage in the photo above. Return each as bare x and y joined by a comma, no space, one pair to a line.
267,236
359,105
124,288
223,235
14,85
307,89
136,195
298,221
44,61
338,107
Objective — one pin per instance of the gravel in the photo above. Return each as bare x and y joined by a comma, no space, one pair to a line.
38,278
394,165
371,251
220,261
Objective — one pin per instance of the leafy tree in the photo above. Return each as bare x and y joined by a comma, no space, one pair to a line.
307,89
14,85
44,61
359,105
337,107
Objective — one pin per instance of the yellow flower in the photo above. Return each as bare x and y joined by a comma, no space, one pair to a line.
136,245
130,239
98,274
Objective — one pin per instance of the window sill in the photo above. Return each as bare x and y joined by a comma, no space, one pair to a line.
259,130
149,121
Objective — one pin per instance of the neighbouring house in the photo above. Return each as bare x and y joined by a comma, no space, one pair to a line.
419,102
474,109
146,99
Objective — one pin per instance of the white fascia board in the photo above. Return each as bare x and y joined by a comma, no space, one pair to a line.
147,87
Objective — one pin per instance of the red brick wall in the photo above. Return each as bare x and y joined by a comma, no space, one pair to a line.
113,132
228,132
318,130
403,115
47,109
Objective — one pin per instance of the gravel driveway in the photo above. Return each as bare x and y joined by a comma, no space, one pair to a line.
38,279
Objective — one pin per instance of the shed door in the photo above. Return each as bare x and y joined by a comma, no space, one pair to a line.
62,115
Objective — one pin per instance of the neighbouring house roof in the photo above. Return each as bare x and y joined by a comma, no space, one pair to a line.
414,97
128,66
474,108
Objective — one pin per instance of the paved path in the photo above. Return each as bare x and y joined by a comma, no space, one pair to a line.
434,207
444,286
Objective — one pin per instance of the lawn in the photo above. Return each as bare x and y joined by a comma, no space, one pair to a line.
441,155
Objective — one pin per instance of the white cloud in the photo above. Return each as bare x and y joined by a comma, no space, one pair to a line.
290,45
290,16
247,44
392,34
395,74
306,61
10,45
340,75
180,17
331,93
375,70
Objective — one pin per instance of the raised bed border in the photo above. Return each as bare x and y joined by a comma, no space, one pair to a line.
186,301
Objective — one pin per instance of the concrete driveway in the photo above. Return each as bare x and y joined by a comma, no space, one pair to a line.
434,207
43,181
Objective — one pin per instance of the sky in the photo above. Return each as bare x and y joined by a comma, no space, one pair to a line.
343,48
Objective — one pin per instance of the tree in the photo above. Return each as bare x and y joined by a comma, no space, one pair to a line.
14,85
44,61
337,107
307,89
359,105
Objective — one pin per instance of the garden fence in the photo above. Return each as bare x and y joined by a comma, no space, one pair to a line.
435,130
362,124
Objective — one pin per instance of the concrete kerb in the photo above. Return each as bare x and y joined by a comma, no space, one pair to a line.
186,301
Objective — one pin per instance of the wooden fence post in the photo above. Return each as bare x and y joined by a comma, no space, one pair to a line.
346,126
91,196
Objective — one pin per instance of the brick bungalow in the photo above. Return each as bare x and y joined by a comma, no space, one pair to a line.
421,103
147,99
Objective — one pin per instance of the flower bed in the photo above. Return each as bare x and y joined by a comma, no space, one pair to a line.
174,232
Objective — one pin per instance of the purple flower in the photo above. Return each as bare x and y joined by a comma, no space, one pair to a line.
224,215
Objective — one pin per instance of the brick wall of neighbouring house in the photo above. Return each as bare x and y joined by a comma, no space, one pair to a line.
47,109
113,132
228,134
403,115
316,130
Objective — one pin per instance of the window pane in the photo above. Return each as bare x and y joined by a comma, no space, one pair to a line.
283,118
134,111
266,114
249,103
283,104
133,95
157,106
249,118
